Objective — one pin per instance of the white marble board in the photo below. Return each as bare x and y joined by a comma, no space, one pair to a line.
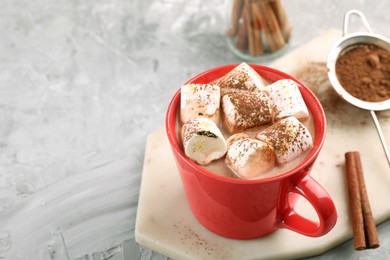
164,221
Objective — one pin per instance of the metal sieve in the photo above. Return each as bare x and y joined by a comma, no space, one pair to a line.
345,43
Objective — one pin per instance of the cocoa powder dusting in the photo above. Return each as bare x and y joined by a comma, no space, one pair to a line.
253,108
364,71
197,244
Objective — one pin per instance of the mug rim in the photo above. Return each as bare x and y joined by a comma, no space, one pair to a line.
171,119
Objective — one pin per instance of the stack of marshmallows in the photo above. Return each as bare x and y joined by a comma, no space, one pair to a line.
246,101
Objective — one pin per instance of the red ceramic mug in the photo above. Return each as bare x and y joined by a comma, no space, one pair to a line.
245,209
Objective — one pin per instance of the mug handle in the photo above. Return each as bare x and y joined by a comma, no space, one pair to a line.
321,202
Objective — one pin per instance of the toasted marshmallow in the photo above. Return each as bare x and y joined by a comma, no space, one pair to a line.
203,142
289,138
241,78
200,100
243,110
287,100
234,138
249,158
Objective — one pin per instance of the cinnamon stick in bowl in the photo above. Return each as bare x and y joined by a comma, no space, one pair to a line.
258,27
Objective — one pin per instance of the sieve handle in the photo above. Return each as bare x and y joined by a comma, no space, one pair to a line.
379,130
362,17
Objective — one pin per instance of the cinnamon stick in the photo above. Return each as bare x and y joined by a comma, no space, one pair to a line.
236,13
364,229
242,34
281,16
359,237
272,29
249,27
257,26
369,223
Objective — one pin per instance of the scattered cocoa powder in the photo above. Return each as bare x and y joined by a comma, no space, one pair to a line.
364,71
315,76
197,245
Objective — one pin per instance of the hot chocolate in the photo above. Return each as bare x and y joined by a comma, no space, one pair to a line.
267,119
220,167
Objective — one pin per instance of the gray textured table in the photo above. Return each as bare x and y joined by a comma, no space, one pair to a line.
82,84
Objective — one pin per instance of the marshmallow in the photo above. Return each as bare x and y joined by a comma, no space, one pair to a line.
203,142
249,158
287,100
200,100
241,78
243,110
289,138
234,138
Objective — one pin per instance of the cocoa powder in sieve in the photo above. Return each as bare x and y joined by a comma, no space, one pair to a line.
364,72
